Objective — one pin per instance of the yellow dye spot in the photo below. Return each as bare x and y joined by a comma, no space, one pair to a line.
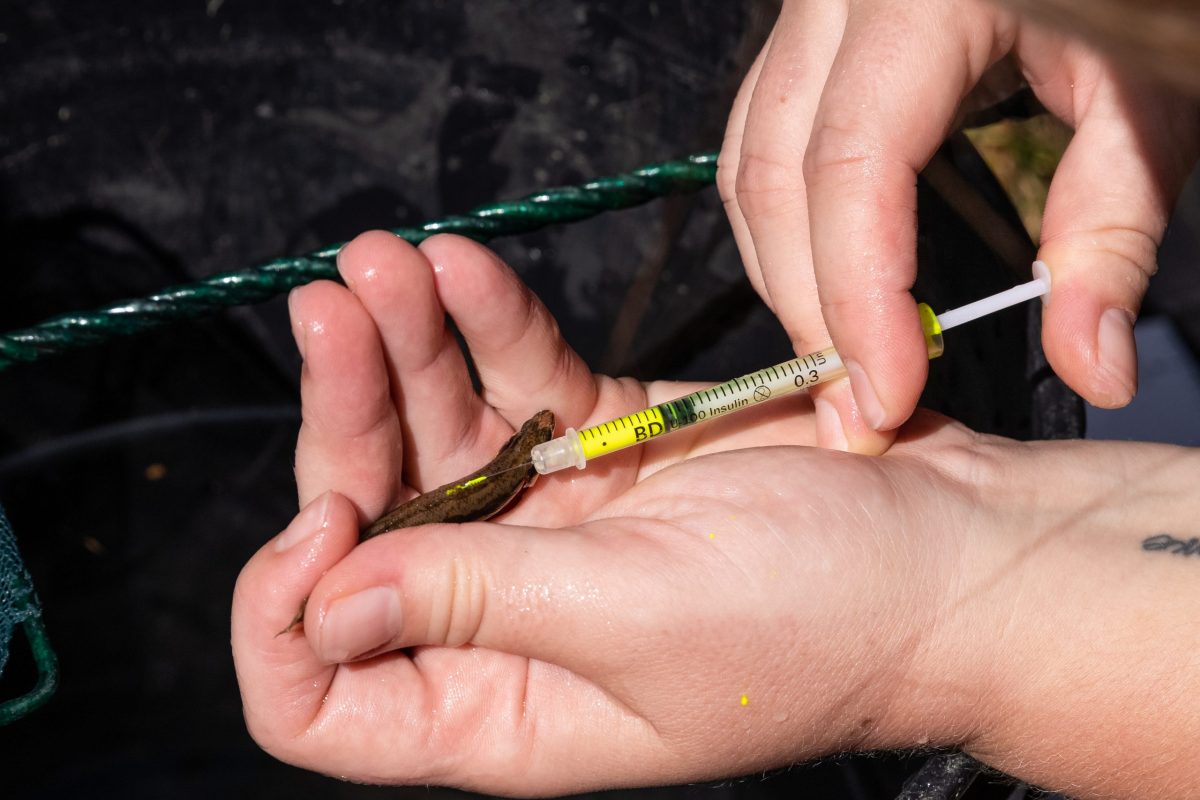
466,485
712,536
745,700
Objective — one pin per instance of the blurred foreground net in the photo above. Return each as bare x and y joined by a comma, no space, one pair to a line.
19,606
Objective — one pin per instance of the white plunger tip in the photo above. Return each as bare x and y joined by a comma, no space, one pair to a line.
1037,287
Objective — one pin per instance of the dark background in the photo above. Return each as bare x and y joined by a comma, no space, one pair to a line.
144,144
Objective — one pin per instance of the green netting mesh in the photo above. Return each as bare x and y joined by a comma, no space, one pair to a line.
19,606
18,601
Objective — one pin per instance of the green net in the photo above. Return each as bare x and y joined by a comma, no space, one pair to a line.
19,606
18,601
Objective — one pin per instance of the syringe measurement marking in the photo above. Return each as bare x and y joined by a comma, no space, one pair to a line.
714,401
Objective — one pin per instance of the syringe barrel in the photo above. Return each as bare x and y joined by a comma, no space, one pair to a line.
576,448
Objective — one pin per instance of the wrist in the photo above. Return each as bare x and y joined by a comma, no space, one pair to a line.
1085,636
950,677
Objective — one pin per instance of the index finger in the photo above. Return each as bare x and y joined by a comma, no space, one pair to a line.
889,101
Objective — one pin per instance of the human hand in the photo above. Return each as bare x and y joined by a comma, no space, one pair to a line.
709,604
847,102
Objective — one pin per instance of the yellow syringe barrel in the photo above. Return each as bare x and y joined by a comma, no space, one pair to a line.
576,448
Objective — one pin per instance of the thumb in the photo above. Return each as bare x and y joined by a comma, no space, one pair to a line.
525,591
1105,215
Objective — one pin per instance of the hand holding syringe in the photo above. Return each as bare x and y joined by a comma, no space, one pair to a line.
576,448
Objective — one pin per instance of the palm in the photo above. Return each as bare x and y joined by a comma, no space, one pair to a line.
699,550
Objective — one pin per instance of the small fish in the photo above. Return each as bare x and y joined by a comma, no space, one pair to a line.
480,495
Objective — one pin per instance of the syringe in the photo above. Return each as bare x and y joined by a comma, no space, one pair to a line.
576,448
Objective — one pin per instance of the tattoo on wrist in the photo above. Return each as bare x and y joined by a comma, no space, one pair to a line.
1170,544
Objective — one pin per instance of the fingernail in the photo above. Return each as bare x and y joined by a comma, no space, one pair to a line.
360,623
312,518
1117,357
830,431
864,396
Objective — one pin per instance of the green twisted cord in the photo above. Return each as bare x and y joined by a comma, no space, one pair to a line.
566,204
